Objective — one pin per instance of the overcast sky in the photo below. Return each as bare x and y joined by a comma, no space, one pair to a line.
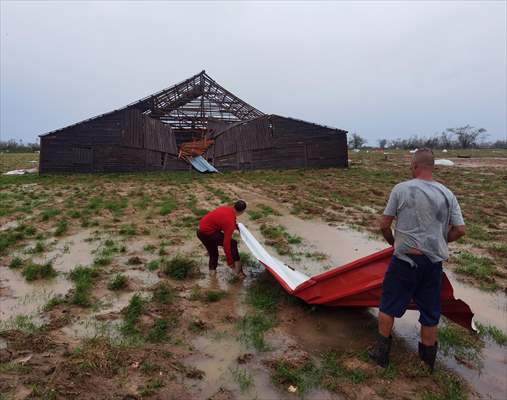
382,69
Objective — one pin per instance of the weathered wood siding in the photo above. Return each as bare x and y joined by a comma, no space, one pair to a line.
278,142
122,141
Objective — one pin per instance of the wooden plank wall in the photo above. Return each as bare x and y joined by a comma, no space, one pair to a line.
122,141
279,142
97,137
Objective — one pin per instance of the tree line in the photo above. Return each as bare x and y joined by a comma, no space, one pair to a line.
463,137
13,146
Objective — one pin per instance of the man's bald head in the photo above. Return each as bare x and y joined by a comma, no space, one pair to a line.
422,165
424,158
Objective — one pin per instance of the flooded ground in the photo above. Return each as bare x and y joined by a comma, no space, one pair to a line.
196,343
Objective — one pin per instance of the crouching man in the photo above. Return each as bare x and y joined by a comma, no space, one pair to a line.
216,229
428,217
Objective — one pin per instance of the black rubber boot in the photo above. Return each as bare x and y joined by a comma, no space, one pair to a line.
428,354
380,353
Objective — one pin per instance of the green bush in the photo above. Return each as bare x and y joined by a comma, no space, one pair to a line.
33,271
118,282
180,267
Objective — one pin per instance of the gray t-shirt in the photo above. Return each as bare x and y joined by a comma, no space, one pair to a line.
423,210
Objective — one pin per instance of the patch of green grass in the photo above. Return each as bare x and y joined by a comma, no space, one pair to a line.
153,265
264,294
212,296
455,340
128,230
180,267
20,322
53,302
82,277
14,368
254,214
163,294
451,387
192,205
48,213
158,332
316,255
119,282
131,315
303,377
147,367
493,333
151,387
479,267
95,204
150,248
477,232
499,248
116,206
279,238
252,328
333,370
247,261
33,271
242,378
168,206
16,262
74,214
224,198
61,227
197,326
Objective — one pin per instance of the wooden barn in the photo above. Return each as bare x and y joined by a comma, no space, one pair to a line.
153,134
272,141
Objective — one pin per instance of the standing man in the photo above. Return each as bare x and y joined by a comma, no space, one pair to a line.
428,217
216,229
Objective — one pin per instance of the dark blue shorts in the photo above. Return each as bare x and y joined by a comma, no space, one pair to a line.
423,283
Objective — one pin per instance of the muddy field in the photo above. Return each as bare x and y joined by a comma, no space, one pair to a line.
104,292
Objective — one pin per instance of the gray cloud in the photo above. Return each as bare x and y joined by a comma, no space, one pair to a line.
383,69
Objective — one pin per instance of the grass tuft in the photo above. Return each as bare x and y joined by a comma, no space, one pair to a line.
119,282
33,271
180,267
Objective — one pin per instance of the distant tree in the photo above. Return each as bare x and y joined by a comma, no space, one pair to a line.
445,140
382,143
18,147
467,135
356,141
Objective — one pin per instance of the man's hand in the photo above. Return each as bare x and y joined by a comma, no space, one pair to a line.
385,223
455,233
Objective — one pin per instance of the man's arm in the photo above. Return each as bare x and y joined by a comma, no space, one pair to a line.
455,233
385,223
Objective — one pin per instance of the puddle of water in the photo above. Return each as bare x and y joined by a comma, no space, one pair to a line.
73,250
340,244
218,360
489,308
343,246
142,279
91,325
28,298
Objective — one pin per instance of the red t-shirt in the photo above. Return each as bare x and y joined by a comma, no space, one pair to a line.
221,219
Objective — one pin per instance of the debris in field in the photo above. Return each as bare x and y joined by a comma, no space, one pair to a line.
444,151
444,162
21,171
23,360
412,151
292,389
